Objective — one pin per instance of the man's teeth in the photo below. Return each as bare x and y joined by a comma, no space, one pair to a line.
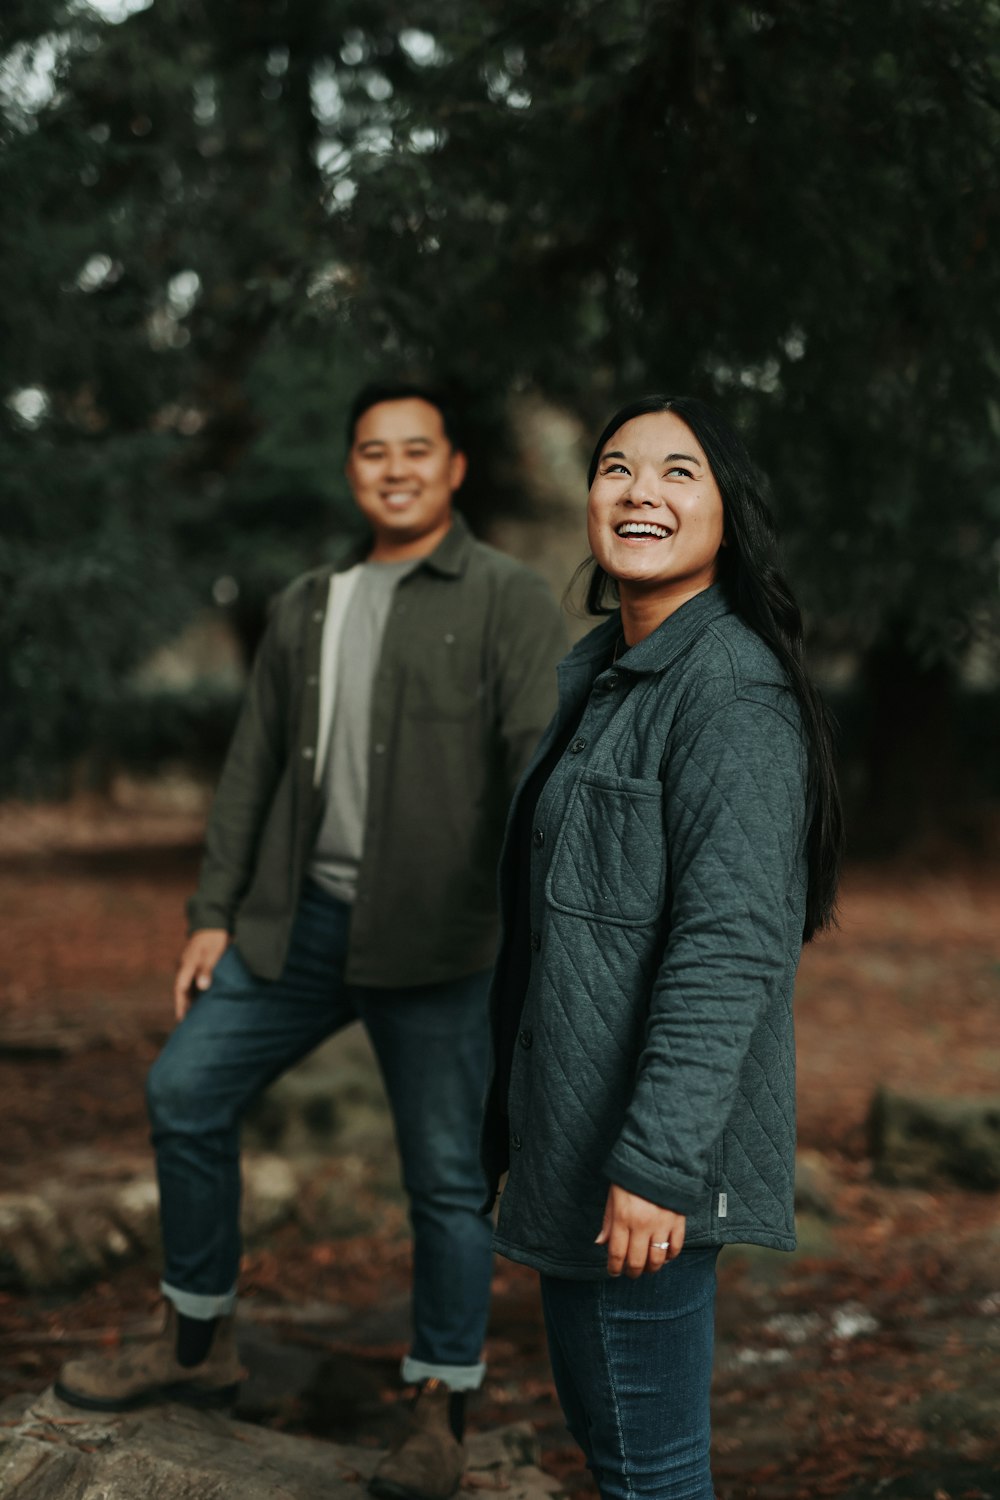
643,528
398,497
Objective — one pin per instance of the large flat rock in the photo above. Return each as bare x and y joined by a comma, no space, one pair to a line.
923,1141
50,1451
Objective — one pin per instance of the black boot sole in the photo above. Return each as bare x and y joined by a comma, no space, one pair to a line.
212,1399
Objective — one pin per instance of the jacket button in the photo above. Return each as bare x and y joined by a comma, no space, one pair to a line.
536,942
312,681
515,1141
537,838
526,1039
610,682
379,749
308,753
317,615
577,746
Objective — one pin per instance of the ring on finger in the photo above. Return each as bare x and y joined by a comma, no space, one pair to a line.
659,1244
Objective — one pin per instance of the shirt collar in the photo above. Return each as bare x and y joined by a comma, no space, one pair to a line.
450,557
662,646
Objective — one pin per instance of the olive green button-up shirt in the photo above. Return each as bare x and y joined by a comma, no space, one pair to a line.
465,685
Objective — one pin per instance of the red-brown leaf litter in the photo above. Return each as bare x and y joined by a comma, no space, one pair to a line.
866,1365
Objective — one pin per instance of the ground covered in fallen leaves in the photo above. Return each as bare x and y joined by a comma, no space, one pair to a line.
868,1364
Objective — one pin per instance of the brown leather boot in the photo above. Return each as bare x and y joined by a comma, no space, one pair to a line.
429,1462
151,1372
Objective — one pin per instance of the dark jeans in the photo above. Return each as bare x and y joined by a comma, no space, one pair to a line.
632,1362
432,1046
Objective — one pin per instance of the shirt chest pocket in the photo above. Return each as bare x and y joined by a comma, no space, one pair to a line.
609,862
445,682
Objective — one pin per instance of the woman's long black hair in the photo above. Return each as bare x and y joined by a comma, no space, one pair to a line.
758,593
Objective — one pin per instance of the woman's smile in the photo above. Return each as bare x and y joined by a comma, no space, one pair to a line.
643,531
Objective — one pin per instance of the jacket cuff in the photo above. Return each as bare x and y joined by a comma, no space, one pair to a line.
655,1188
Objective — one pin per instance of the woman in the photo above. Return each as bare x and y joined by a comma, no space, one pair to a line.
674,841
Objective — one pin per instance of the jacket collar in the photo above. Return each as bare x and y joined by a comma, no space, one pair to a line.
663,646
450,557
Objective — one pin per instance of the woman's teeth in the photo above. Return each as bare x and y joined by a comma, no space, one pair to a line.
643,528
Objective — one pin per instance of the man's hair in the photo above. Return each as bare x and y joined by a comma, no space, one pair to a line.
376,392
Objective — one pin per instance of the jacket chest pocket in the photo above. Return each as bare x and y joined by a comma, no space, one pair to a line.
609,861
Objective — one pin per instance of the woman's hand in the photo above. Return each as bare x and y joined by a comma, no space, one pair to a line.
635,1232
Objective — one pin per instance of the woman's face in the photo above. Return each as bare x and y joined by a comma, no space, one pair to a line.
654,517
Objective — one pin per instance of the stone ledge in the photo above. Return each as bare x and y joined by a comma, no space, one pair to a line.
926,1141
65,1230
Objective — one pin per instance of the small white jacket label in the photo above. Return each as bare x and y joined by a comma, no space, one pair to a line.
723,1205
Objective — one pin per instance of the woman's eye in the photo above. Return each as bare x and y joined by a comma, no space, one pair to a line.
610,468
678,470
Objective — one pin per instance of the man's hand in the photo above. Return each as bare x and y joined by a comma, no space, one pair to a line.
194,972
633,1228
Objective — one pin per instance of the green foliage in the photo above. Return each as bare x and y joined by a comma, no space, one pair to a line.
787,207
222,218
90,581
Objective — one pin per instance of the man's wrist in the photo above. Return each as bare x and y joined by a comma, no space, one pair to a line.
207,919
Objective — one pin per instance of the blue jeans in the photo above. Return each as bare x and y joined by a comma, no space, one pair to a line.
632,1362
432,1045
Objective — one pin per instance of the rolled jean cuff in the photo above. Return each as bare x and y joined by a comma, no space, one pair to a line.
455,1377
194,1305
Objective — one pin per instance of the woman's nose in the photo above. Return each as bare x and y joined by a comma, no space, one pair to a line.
642,492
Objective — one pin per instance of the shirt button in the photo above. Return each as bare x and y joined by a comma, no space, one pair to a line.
526,1039
577,746
308,753
536,942
515,1141
379,749
537,838
449,639
317,615
312,682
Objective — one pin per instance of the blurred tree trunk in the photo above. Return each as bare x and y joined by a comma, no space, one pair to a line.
914,788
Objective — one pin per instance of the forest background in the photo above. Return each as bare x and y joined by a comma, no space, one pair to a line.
216,221
219,219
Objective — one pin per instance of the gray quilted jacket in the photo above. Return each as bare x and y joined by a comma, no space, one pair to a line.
654,1046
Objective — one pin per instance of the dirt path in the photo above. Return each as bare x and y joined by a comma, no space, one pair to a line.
868,1364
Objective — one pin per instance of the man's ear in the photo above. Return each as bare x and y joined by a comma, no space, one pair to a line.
459,469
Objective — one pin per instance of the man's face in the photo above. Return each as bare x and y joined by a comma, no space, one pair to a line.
403,472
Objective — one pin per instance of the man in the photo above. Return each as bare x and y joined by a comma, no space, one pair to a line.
349,874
